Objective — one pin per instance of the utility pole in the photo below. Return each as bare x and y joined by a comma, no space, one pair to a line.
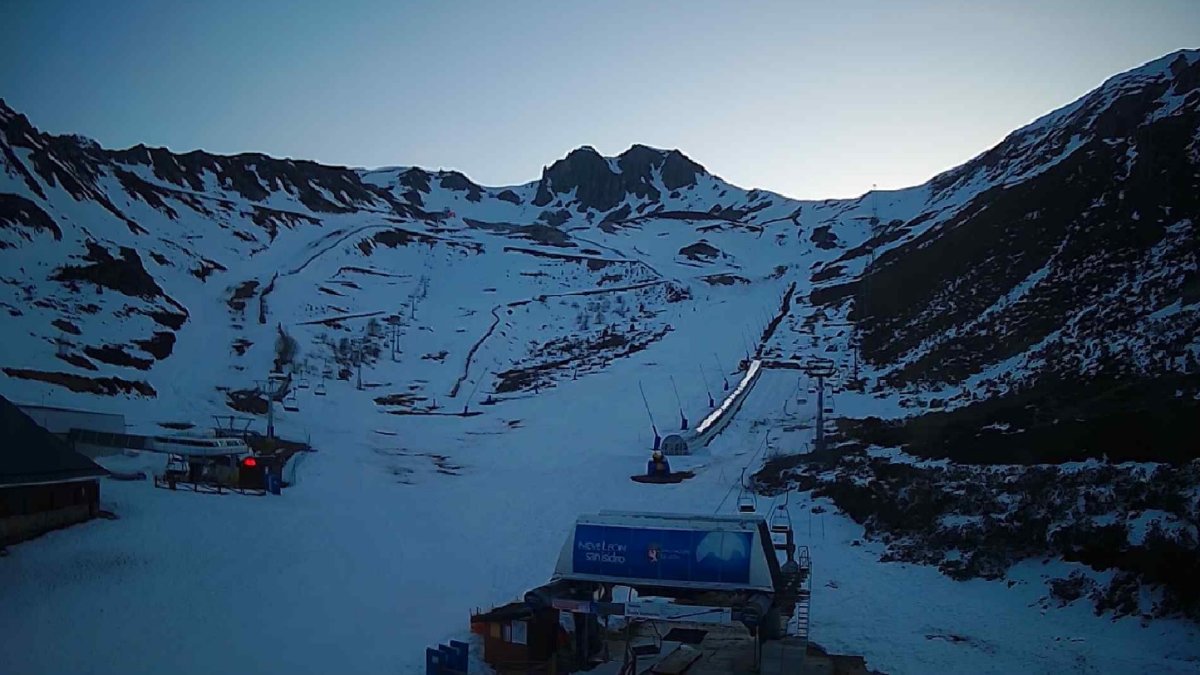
707,389
359,359
749,344
725,380
653,427
683,421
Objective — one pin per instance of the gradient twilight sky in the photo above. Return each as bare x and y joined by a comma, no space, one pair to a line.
810,99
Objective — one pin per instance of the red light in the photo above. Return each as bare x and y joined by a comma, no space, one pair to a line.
249,461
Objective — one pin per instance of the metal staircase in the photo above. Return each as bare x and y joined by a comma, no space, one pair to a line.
803,596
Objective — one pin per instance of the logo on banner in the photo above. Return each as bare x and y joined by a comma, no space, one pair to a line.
662,554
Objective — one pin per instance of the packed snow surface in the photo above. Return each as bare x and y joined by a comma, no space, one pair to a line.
376,554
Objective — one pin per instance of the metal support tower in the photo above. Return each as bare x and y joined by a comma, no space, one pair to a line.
819,369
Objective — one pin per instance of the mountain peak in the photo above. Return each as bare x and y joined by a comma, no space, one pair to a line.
677,169
601,183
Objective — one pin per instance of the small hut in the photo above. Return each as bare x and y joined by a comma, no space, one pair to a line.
44,484
516,637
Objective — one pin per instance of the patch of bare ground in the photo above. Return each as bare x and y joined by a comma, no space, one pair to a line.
106,386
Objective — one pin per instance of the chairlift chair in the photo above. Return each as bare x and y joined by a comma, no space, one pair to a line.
781,518
747,502
780,525
290,404
302,384
319,390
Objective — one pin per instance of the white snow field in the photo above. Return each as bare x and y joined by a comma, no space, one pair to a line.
353,570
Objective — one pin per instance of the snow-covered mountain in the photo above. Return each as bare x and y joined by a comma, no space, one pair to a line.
114,259
1040,303
1046,269
1065,254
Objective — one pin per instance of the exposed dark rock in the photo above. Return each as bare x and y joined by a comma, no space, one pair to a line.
66,326
673,292
169,319
701,251
1069,262
599,187
126,274
107,386
243,292
1057,421
827,273
250,401
832,295
273,219
159,345
547,234
617,216
824,237
151,194
16,210
453,180
77,361
554,218
724,279
117,356
206,268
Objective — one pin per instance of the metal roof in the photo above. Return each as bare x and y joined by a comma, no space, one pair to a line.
29,454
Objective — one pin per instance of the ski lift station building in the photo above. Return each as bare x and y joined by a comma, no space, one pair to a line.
44,485
61,421
705,594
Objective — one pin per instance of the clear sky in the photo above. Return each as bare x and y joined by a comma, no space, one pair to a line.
810,99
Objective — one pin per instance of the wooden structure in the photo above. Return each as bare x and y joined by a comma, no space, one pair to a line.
519,639
670,648
44,484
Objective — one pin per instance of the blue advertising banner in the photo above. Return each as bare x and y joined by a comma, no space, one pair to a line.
665,555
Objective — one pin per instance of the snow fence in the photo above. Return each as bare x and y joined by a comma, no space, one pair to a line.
716,421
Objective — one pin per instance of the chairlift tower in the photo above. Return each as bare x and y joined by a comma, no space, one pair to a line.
272,386
359,360
819,369
394,322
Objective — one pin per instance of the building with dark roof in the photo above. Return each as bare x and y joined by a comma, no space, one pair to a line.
62,422
44,484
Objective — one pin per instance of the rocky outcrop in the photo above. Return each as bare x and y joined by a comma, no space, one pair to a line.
598,186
